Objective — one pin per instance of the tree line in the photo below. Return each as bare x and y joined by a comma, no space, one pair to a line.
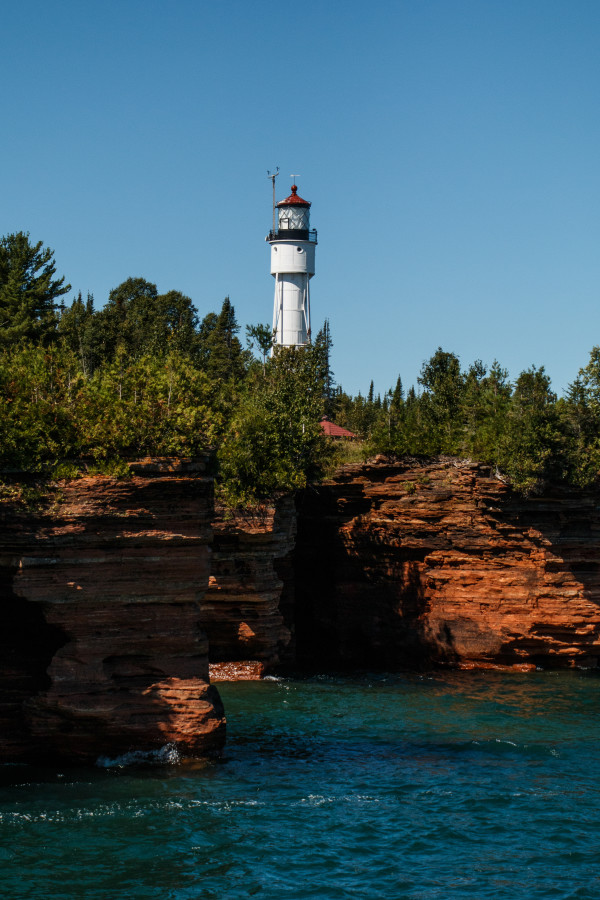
521,428
145,375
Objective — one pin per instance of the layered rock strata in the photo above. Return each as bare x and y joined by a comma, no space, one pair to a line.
102,651
247,610
407,564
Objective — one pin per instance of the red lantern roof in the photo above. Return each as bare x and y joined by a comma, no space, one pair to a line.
293,199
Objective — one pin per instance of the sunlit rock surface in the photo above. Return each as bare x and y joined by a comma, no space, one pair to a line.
108,593
407,564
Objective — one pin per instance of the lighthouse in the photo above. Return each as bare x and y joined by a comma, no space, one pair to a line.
292,266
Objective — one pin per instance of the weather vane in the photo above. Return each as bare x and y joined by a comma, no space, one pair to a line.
273,176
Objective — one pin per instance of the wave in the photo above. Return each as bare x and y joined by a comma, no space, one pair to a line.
166,755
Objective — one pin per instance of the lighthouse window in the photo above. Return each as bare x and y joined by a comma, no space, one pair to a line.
299,249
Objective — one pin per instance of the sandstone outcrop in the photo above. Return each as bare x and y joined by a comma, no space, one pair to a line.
108,593
408,564
101,647
247,611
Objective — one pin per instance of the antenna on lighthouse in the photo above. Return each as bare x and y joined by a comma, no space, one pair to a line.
273,177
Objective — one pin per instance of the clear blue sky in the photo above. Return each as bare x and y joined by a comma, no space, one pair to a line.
450,148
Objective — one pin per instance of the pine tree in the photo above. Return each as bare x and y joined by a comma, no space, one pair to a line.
532,446
322,349
398,395
28,291
221,352
76,327
580,412
440,403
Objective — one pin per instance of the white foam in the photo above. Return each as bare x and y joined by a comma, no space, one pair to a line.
321,800
167,755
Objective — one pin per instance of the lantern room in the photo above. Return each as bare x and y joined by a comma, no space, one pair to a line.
293,215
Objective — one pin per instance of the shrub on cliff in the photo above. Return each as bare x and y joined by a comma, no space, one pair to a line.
51,411
531,449
275,441
521,429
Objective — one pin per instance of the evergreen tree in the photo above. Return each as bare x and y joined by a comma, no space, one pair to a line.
398,395
532,447
440,403
344,406
221,352
28,290
76,327
411,439
485,409
580,413
322,346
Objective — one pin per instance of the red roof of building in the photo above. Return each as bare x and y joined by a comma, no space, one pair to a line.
293,199
335,431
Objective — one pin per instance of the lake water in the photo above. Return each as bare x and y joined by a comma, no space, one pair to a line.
436,787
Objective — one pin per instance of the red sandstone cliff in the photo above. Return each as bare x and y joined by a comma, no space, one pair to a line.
408,564
247,612
104,597
101,648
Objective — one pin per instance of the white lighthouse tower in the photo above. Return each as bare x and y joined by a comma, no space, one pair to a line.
292,265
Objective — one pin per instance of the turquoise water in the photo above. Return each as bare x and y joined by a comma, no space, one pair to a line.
436,787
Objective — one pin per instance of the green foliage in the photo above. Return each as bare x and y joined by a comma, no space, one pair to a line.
137,321
78,330
144,376
260,336
523,431
531,449
444,387
485,407
397,396
220,351
275,441
580,417
51,412
151,406
28,291
342,453
322,350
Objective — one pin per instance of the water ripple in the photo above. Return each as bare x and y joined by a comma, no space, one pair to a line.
428,787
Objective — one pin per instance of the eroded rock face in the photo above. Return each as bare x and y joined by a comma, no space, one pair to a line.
247,610
102,647
407,564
